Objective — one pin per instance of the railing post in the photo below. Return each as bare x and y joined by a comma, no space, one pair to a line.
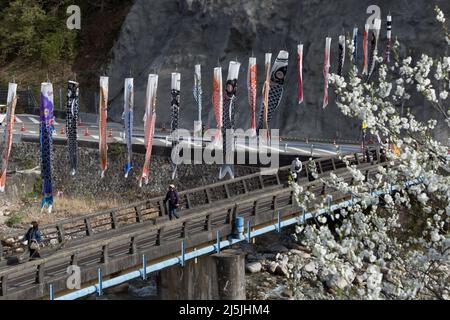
186,229
105,254
40,274
183,250
138,214
4,286
245,186
208,195
51,292
159,238
60,230
279,221
100,282
188,201
249,235
87,223
227,190
114,224
261,181
218,241
133,246
144,267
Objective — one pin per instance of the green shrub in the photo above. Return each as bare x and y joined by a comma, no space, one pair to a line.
14,220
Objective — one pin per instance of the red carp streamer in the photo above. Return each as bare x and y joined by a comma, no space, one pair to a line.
218,101
251,86
9,123
366,49
149,124
103,114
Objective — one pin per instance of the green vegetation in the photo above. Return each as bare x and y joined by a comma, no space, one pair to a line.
37,186
116,149
27,164
14,220
32,29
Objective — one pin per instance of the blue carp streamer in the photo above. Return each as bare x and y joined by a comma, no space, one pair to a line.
46,144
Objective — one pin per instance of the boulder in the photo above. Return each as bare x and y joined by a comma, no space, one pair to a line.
272,267
300,253
311,267
278,248
337,282
282,270
253,267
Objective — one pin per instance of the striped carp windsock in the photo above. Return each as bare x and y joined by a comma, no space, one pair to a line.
374,47
103,115
387,57
326,71
8,133
46,142
72,108
355,46
127,118
366,50
149,124
229,106
217,99
277,76
175,113
251,89
197,92
341,61
300,72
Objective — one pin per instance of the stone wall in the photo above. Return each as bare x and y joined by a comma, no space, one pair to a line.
87,182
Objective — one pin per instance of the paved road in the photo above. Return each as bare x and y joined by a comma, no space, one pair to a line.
28,125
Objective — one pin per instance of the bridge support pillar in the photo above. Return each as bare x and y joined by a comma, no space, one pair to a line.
220,276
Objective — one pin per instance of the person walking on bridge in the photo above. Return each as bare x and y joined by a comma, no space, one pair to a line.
33,238
174,201
296,168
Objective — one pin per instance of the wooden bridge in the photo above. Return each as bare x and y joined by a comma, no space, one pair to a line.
114,241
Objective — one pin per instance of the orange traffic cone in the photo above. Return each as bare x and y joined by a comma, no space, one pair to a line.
110,133
86,132
63,130
23,128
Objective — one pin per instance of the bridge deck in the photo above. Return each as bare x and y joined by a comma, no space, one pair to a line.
116,239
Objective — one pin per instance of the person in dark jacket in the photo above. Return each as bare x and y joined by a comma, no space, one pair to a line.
174,201
34,238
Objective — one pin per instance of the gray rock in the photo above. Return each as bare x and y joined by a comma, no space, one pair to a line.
301,253
253,267
278,248
337,282
269,256
311,267
282,270
272,267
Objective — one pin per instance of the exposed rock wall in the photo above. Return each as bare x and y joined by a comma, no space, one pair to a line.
162,35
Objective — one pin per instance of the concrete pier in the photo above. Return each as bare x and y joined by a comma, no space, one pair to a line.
220,276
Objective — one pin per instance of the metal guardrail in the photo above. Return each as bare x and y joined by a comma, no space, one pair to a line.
119,252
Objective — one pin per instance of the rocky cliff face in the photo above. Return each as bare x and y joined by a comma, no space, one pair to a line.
160,36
